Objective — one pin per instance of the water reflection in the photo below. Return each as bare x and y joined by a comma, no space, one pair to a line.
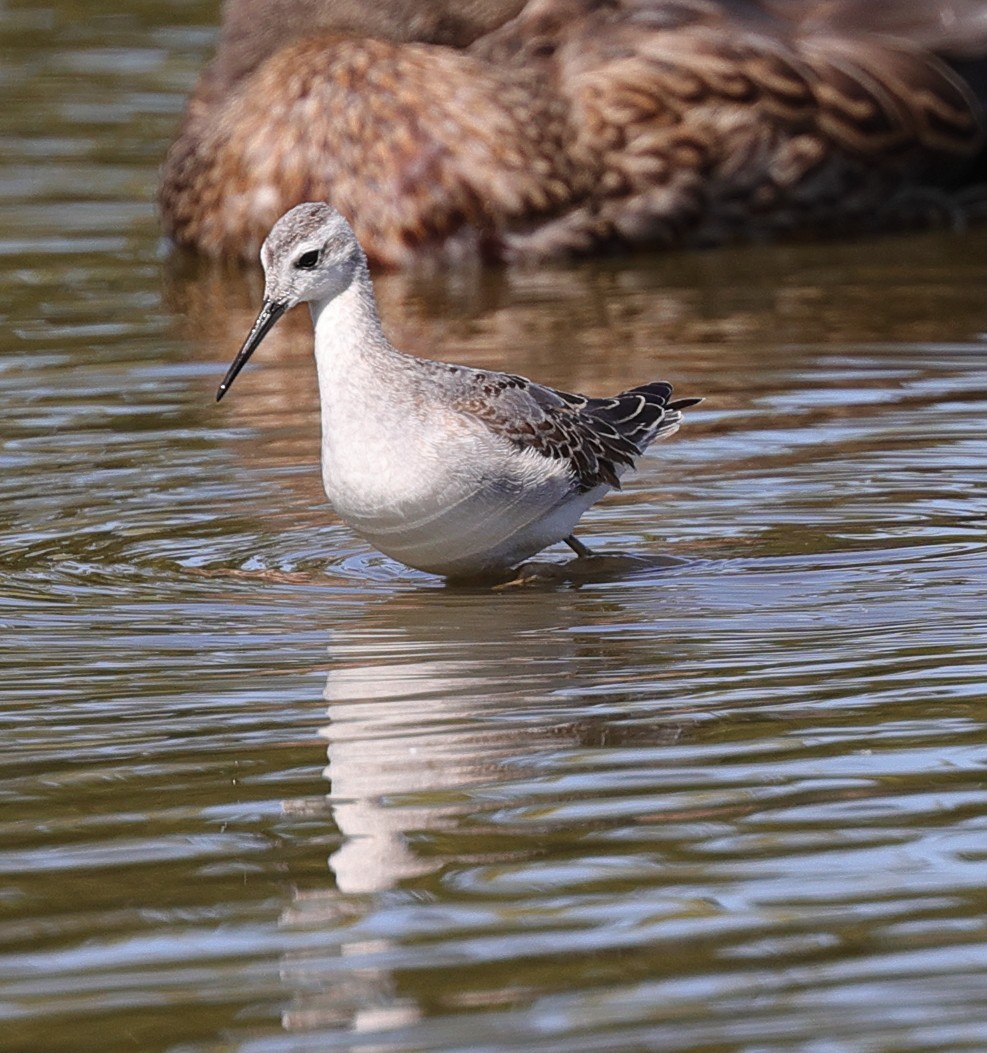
415,728
431,708
439,714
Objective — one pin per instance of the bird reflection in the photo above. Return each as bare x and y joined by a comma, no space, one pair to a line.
441,714
420,739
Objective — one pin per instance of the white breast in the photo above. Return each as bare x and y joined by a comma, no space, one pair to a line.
450,498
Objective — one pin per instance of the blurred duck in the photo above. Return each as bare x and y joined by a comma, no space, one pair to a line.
504,131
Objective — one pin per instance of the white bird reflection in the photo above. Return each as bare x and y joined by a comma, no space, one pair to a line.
440,708
427,716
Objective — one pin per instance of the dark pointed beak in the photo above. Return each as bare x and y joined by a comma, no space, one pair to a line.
269,314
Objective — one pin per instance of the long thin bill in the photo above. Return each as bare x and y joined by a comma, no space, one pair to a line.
269,314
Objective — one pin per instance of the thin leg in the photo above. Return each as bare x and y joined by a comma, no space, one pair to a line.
577,546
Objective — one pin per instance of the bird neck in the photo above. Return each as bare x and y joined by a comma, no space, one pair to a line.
354,360
349,338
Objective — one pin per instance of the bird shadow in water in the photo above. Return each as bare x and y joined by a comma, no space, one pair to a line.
583,570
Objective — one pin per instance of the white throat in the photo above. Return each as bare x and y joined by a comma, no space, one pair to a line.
355,366
347,330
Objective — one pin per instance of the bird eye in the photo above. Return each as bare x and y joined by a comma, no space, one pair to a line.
307,260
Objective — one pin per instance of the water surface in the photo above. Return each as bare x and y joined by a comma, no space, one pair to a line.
265,790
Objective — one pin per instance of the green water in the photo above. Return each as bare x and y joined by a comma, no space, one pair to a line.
263,790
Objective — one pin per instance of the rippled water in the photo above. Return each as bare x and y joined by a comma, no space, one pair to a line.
264,790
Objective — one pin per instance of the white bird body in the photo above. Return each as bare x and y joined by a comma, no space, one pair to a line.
455,471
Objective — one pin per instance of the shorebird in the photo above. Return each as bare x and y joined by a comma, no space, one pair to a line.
508,130
452,470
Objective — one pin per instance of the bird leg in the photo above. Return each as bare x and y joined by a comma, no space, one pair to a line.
577,546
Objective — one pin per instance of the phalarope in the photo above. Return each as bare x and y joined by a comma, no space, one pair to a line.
456,471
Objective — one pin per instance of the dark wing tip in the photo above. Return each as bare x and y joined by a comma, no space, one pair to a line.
681,404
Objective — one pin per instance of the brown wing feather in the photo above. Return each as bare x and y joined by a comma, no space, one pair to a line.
582,123
414,144
713,119
596,437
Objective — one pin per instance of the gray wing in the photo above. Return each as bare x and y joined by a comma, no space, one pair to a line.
595,437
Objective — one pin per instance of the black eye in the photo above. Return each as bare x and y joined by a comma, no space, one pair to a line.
307,260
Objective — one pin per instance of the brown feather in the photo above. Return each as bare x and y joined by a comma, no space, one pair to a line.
577,124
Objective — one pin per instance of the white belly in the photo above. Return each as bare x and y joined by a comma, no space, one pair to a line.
480,535
462,502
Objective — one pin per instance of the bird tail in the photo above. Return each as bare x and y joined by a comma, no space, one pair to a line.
643,414
672,420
